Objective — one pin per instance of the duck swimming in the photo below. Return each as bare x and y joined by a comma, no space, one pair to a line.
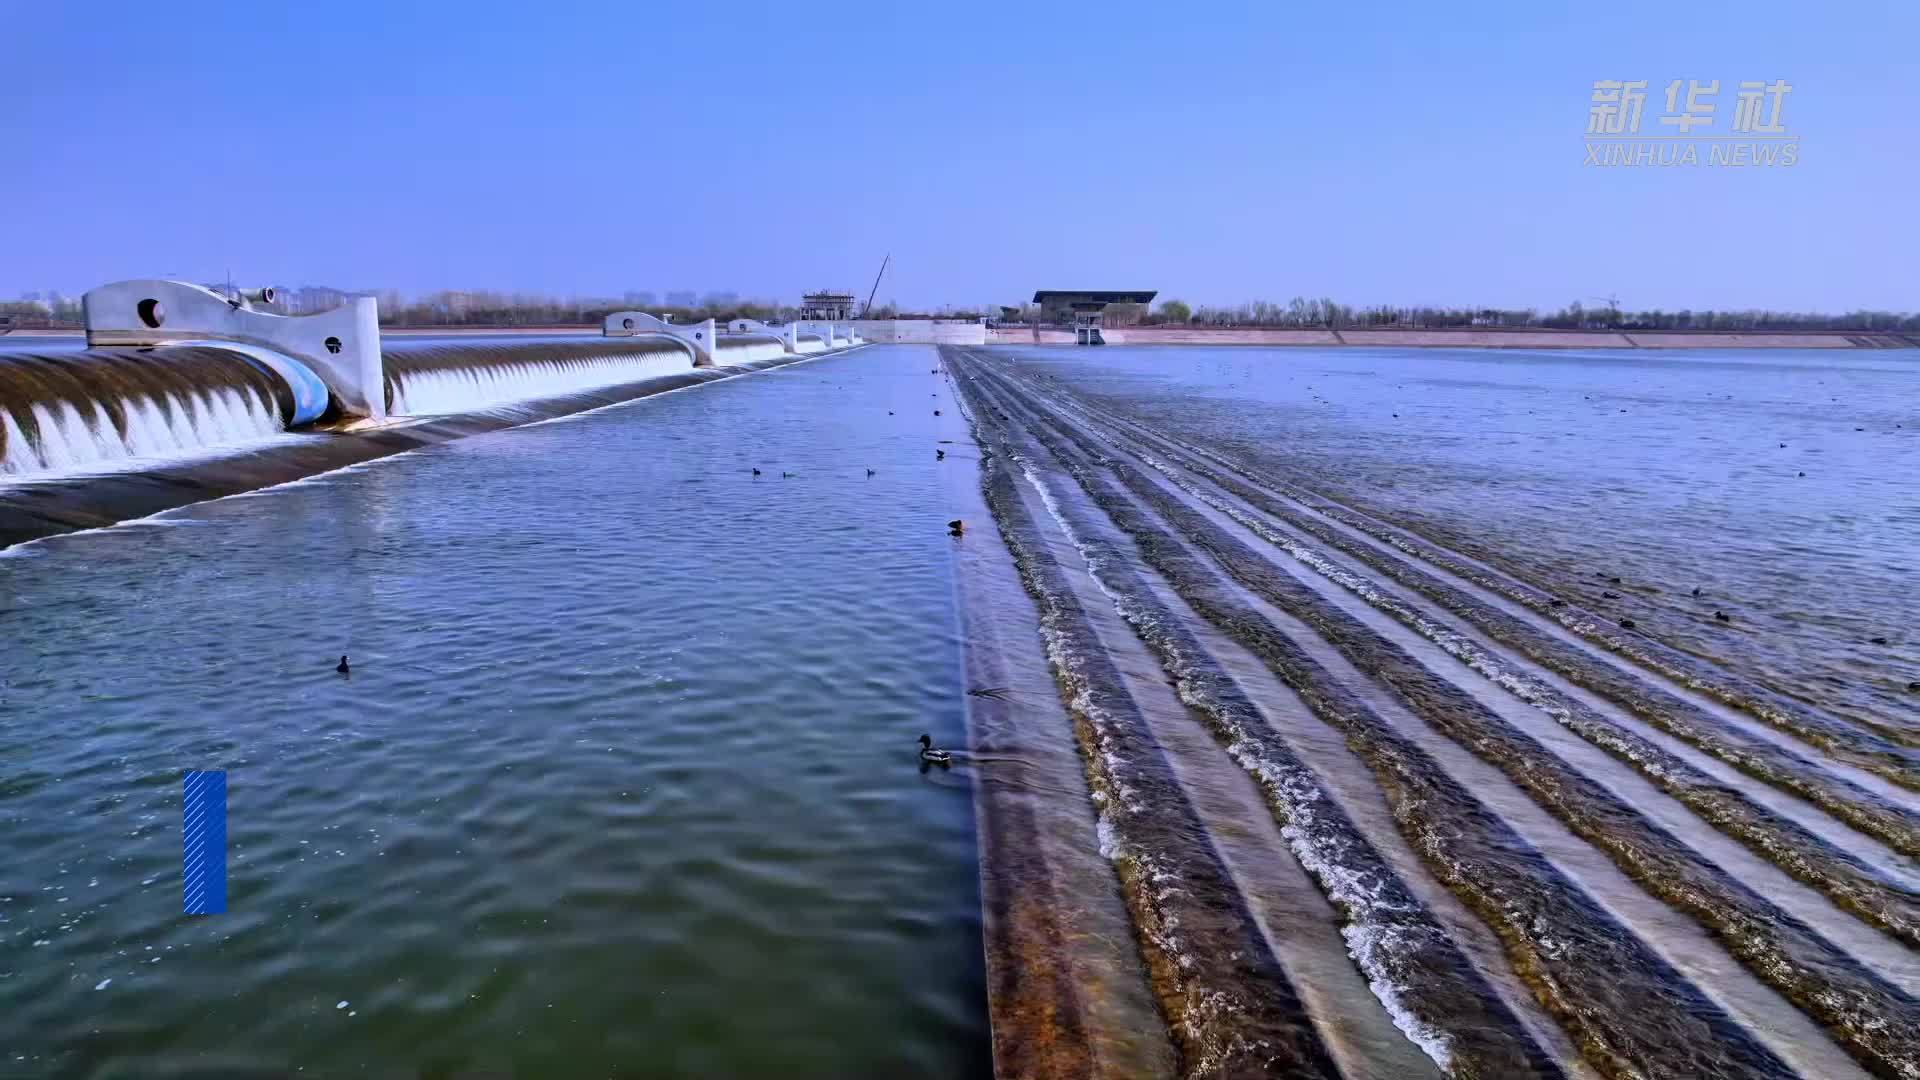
342,667
931,756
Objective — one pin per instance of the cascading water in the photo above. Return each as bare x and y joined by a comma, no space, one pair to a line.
65,411
809,343
434,380
743,348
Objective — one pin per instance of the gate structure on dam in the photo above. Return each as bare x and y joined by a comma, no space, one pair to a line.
185,393
1086,312
173,368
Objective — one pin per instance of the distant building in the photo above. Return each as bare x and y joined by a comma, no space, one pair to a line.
1086,311
308,299
827,305
640,299
681,299
720,299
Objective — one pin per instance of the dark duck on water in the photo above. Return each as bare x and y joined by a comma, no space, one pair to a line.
932,756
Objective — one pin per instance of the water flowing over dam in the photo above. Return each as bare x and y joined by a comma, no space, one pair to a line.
429,380
61,411
1322,746
177,374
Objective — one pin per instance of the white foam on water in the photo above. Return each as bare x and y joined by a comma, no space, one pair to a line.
77,439
727,352
1373,941
469,389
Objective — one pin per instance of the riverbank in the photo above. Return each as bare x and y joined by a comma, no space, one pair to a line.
1476,338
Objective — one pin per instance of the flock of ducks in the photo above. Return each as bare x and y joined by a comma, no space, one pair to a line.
1719,615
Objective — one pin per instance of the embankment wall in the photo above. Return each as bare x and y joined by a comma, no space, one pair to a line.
1455,339
922,331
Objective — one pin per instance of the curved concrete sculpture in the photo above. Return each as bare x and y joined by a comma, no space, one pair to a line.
835,334
327,358
788,334
696,336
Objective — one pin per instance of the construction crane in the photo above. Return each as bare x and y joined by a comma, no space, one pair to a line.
1613,308
867,311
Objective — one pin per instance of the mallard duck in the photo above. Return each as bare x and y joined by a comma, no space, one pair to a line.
931,756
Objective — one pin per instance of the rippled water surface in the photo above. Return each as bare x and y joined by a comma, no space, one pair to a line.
1509,791
623,780
1784,484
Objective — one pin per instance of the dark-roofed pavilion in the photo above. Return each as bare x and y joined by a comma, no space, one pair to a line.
1085,310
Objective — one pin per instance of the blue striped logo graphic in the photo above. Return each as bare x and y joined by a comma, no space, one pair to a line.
203,829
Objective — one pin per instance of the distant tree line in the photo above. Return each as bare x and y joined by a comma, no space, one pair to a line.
482,308
525,309
529,309
62,312
1325,312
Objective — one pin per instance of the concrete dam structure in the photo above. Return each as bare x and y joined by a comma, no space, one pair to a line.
179,378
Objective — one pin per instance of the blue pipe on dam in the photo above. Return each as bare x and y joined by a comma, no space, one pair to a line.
311,398
65,409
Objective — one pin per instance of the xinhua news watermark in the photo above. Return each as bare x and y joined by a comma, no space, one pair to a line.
1756,134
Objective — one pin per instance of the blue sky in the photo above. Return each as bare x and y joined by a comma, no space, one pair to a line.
1413,153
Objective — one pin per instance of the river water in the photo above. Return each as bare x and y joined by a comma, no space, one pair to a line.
624,776
1334,712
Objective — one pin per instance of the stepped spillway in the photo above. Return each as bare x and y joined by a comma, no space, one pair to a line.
1549,845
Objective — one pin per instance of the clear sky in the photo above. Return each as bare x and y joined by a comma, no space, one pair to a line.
1407,153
